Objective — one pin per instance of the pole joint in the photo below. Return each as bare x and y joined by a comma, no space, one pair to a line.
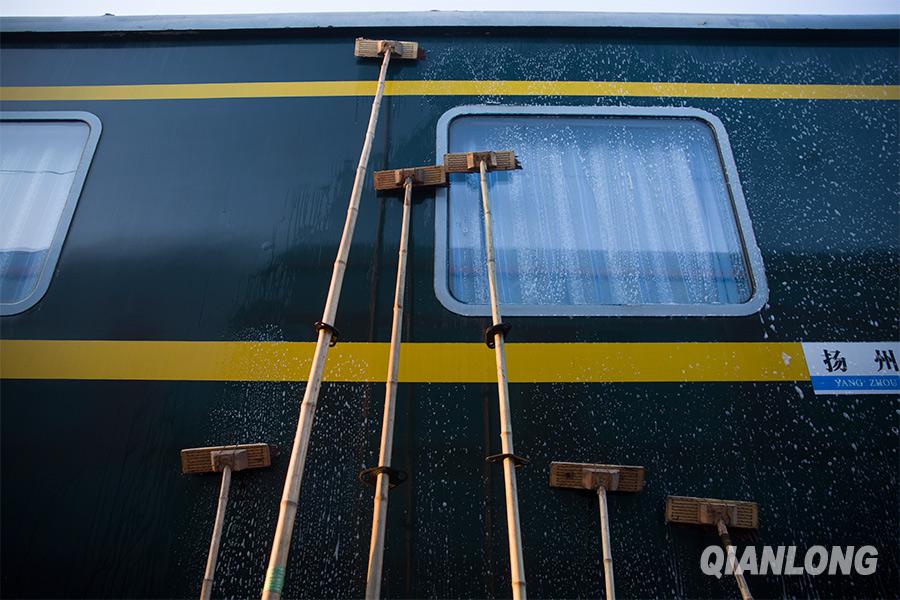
335,334
491,332
519,461
370,476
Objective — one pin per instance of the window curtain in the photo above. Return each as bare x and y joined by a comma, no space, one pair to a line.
38,161
607,210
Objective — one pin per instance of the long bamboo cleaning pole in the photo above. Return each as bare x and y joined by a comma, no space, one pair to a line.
607,550
601,478
382,485
225,460
206,588
741,514
514,533
274,582
722,529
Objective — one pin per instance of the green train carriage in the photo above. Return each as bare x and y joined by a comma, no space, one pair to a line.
207,166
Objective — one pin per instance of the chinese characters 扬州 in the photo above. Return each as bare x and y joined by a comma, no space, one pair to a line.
885,359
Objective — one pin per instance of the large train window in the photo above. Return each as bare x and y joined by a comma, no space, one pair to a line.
44,158
616,212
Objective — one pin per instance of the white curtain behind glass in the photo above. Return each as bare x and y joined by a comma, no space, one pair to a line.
38,160
607,210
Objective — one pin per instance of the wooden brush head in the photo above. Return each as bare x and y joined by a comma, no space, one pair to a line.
395,179
708,511
470,162
587,476
213,459
375,48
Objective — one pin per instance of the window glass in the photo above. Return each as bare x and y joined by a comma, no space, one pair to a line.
38,165
608,210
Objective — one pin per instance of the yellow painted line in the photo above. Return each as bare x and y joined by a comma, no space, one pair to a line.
312,89
420,362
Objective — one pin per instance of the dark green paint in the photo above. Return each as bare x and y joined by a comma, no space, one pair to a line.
219,220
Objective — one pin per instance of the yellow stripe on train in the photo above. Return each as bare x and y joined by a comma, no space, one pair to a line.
311,89
420,362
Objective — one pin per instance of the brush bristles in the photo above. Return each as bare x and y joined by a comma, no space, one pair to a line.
470,162
200,460
395,179
572,476
707,511
375,48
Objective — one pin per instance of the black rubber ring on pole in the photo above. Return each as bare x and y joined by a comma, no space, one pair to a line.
493,330
518,460
335,334
369,476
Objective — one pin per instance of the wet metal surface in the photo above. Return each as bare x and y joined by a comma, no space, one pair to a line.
219,220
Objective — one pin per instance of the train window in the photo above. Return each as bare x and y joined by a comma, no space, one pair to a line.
617,211
44,158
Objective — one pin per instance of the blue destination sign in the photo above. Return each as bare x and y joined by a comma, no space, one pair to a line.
853,367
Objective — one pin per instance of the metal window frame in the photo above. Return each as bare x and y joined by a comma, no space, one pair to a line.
760,290
65,217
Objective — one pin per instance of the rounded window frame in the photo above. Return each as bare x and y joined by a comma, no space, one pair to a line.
68,212
760,291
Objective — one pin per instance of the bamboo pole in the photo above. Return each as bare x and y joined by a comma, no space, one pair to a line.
206,589
513,531
275,573
732,560
607,551
382,486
